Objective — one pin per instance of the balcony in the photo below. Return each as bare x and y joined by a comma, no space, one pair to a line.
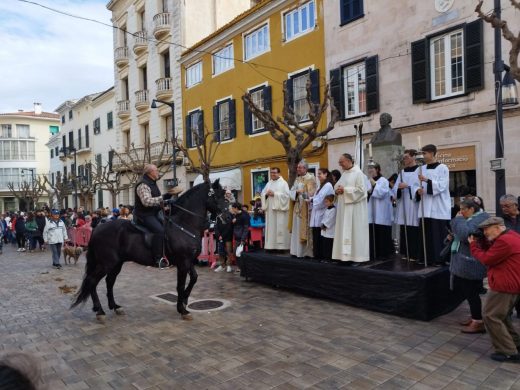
162,25
123,160
81,147
140,43
164,88
141,100
123,109
121,56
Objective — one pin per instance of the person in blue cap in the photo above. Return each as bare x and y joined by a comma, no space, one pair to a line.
55,234
115,214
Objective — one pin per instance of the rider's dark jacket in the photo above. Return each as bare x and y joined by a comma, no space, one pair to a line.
140,210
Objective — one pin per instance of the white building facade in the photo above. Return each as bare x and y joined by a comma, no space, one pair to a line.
430,65
23,155
149,37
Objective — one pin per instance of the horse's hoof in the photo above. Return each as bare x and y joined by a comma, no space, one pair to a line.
100,318
119,311
187,317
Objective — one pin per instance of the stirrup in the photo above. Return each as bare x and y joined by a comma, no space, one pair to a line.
163,263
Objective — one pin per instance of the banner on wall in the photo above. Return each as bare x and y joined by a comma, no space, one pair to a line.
458,159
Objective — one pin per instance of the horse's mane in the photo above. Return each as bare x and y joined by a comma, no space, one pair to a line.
191,193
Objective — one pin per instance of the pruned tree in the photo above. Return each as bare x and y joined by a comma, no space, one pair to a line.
27,192
295,136
57,191
103,178
206,146
513,39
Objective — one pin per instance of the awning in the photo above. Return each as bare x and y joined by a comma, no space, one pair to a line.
230,180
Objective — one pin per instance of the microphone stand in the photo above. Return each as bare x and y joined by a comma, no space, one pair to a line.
420,161
371,164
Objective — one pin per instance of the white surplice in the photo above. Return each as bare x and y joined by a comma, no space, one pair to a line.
318,205
436,195
407,205
351,242
380,203
276,215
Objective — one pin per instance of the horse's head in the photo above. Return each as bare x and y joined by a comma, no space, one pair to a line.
216,202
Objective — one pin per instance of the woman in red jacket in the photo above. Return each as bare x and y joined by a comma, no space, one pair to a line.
501,256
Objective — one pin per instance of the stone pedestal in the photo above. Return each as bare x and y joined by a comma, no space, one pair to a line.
387,156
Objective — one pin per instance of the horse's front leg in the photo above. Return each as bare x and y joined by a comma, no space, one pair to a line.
193,280
111,280
181,290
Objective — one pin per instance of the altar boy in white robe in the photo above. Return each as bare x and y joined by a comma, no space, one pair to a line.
350,236
275,203
407,206
434,190
379,214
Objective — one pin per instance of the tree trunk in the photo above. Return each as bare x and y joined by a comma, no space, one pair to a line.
293,158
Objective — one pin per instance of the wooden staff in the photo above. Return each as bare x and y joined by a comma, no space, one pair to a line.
371,164
401,203
420,161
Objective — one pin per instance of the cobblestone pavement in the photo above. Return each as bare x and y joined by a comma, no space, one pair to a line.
266,338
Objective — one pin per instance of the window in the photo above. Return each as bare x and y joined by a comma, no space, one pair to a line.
70,114
52,153
224,120
223,60
62,119
87,140
354,79
448,64
447,78
299,21
80,143
54,129
110,120
299,93
194,128
17,150
256,42
7,131
23,131
71,139
56,151
350,10
166,63
193,74
97,126
261,96
52,178
355,88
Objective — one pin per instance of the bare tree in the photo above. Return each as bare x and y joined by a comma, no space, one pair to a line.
57,191
103,178
28,192
513,39
206,147
292,135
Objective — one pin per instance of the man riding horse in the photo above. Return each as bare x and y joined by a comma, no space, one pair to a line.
148,201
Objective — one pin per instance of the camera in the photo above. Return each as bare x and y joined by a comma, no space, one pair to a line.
478,234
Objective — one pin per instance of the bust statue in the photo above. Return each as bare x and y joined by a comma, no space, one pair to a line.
386,135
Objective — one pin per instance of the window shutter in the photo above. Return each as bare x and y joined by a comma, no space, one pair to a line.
372,84
201,126
420,90
268,99
248,125
315,86
232,118
216,126
110,159
288,86
474,55
336,91
189,142
350,10
87,140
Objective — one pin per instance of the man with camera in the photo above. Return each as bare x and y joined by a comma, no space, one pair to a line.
501,255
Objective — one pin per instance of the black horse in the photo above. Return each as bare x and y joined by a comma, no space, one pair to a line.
116,242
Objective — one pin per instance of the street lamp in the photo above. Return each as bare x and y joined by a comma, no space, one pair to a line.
66,150
505,94
174,164
22,172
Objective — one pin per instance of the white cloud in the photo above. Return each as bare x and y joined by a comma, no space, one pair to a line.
47,57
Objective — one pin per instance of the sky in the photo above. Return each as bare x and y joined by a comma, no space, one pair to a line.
49,58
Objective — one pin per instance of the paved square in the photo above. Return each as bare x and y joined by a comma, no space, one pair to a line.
265,339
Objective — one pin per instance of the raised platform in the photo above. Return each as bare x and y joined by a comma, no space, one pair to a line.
392,287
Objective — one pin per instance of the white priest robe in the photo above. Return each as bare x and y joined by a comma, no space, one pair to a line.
436,195
301,236
407,205
276,214
351,239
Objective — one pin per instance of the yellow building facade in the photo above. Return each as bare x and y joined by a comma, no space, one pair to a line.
273,44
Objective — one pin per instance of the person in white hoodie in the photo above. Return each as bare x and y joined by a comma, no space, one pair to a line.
55,234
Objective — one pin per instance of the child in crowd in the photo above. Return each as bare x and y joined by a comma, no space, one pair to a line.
328,224
240,227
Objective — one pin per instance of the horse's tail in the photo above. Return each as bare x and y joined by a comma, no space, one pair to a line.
89,282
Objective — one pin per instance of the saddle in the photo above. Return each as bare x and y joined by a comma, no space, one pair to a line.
148,235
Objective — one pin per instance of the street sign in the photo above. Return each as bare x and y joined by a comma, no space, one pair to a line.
497,164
